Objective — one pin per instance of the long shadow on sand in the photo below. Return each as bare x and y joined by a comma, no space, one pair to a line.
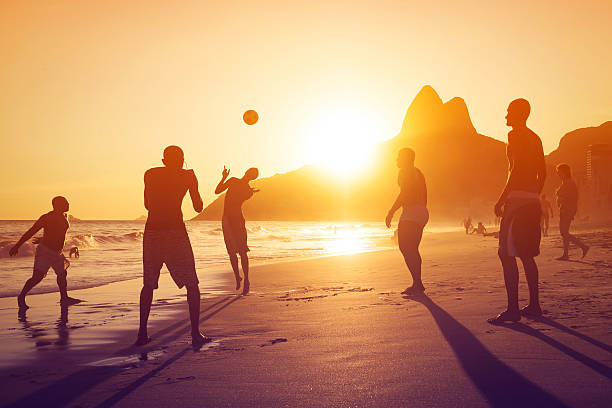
573,332
61,392
499,384
587,361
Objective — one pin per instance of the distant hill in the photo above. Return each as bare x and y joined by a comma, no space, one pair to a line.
72,218
465,172
141,218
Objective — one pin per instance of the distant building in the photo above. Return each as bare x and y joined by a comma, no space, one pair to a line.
599,179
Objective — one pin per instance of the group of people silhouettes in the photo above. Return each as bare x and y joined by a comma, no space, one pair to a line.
519,206
165,239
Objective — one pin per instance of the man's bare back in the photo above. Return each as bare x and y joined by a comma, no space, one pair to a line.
165,189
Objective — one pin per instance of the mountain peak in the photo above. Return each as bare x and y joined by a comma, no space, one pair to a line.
425,108
427,95
457,115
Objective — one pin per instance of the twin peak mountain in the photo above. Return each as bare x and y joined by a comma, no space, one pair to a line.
465,172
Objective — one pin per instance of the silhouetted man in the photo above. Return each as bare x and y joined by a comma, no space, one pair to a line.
165,238
48,252
413,200
467,224
233,223
567,200
547,213
520,208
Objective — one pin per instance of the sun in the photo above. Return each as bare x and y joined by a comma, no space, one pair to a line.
341,139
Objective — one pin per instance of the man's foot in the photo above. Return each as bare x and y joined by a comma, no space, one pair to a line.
68,301
21,303
585,250
238,280
531,311
142,340
563,258
414,290
505,317
198,340
246,288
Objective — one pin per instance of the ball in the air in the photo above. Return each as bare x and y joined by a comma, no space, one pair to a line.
250,117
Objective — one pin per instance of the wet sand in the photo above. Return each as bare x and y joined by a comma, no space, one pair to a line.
330,332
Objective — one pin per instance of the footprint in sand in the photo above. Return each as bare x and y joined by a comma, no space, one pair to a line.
272,342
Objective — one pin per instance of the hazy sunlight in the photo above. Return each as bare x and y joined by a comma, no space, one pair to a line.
341,139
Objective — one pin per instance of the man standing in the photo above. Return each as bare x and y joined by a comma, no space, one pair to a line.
520,208
48,252
567,200
233,223
413,200
165,238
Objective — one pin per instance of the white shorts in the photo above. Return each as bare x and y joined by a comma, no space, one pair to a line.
46,258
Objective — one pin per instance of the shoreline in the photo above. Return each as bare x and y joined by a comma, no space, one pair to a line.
343,322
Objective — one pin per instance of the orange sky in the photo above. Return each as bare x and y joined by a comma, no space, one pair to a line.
92,91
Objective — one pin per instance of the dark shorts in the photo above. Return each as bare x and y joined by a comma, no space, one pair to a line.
409,235
170,247
235,235
520,231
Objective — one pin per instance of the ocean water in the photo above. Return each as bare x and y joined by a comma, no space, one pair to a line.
112,250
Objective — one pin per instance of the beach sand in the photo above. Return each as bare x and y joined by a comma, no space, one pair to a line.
330,332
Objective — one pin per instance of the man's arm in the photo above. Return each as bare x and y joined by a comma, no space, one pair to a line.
541,167
196,199
146,191
399,201
222,186
28,234
507,187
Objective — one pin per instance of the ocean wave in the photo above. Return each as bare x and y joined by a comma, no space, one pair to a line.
26,249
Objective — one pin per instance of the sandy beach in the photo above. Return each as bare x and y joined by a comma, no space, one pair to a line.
331,331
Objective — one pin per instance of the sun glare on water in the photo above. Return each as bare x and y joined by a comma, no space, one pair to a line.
341,140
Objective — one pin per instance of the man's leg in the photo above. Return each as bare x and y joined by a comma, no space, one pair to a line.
244,261
234,261
564,230
62,284
193,299
512,313
576,241
410,238
146,298
531,273
30,283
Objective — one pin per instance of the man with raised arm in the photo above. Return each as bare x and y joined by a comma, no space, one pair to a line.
165,239
48,252
233,223
521,210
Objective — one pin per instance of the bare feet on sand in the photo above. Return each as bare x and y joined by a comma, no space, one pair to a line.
563,258
585,251
505,317
142,339
21,303
531,311
68,301
246,288
414,290
238,280
198,340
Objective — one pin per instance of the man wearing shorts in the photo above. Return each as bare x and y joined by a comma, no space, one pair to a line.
521,210
413,200
165,239
233,223
48,252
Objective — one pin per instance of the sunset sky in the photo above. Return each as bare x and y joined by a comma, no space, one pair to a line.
92,91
